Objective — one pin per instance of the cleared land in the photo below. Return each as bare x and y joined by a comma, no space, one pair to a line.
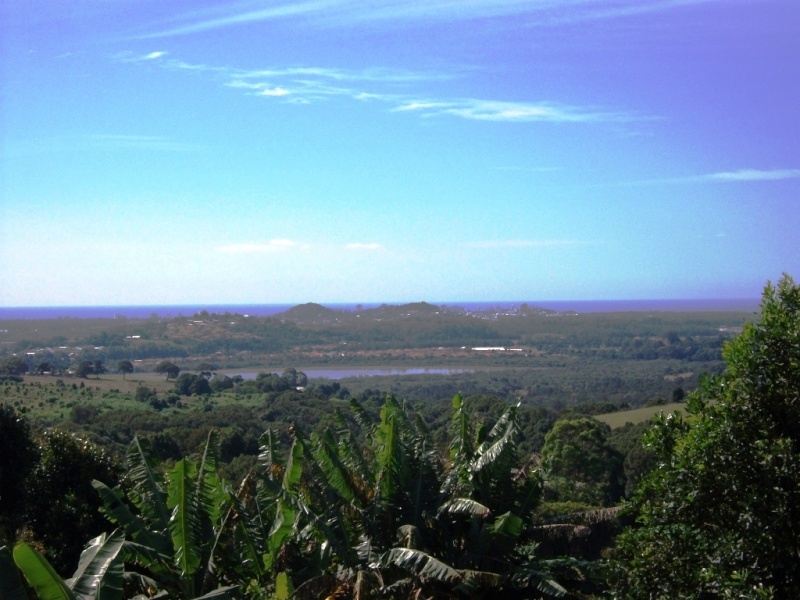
639,415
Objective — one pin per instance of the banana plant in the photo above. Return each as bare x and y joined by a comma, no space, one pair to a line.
98,576
172,525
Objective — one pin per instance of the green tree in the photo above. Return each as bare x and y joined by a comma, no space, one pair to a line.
62,509
189,383
720,515
206,369
43,367
171,370
579,463
12,367
125,367
18,456
84,369
98,368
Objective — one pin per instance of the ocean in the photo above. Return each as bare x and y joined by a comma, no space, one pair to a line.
260,310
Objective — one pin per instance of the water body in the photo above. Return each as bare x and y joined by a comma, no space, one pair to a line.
366,372
263,310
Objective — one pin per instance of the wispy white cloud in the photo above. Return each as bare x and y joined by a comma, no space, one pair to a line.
390,87
363,246
344,13
754,175
241,13
377,75
275,92
276,245
739,176
493,110
525,243
134,57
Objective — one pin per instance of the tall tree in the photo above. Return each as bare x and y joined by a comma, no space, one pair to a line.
18,456
720,515
171,370
579,463
99,368
125,367
62,509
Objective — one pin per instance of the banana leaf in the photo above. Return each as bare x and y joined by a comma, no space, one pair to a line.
336,474
421,564
118,512
465,507
147,493
40,575
184,524
99,573
223,593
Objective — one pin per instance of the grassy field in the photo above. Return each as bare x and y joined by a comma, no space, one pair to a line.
637,415
52,398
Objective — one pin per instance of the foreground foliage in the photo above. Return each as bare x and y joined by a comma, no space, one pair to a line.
720,515
368,508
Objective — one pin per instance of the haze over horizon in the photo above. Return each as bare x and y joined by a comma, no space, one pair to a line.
342,151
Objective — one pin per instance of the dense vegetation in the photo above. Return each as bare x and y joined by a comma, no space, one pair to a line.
279,487
552,360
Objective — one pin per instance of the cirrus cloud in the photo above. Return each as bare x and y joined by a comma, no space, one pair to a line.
755,175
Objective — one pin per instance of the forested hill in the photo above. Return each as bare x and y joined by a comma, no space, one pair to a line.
316,314
314,334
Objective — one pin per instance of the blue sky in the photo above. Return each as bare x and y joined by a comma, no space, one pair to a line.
387,151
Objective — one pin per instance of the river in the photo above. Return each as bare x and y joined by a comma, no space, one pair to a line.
363,372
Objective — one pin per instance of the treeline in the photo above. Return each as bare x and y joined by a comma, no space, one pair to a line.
630,336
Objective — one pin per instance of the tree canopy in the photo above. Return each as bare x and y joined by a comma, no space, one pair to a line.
720,514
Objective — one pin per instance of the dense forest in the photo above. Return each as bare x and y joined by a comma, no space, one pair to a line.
194,483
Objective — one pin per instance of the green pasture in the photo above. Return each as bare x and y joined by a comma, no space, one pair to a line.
638,415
